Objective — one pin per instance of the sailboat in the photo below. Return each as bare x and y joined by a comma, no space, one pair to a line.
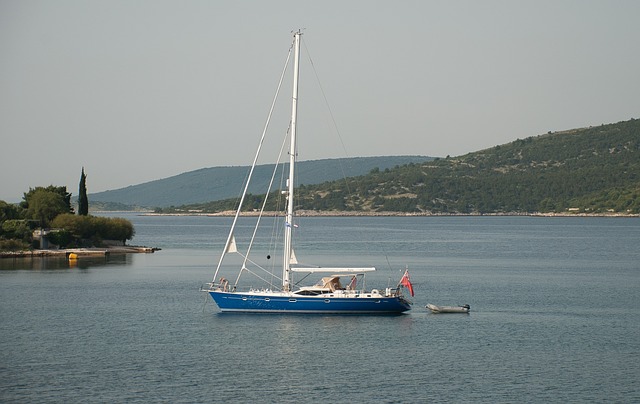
328,295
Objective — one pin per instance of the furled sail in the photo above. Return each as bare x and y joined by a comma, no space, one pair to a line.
331,269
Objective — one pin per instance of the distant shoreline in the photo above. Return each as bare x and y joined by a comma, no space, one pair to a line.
310,213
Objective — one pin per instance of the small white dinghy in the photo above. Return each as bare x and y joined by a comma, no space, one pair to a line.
448,309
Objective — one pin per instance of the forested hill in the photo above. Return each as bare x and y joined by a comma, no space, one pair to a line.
595,169
592,170
216,183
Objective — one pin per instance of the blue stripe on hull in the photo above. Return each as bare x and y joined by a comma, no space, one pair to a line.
243,302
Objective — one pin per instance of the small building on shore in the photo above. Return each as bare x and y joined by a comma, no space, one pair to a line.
42,236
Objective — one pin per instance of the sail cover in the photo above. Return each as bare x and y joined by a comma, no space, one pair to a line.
332,270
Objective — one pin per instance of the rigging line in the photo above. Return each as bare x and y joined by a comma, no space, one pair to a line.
262,279
244,268
333,120
271,284
335,126
302,279
206,299
253,166
276,225
264,203
387,258
278,220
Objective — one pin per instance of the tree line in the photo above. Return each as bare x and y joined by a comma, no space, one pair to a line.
49,208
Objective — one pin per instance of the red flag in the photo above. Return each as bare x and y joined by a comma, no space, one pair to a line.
352,284
406,282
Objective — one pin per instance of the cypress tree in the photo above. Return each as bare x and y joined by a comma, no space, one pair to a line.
83,201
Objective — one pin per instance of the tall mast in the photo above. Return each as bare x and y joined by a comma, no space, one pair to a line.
292,159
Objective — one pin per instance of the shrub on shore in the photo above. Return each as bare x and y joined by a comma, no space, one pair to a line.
92,229
13,245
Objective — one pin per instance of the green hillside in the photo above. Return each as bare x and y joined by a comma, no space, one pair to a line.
592,170
216,183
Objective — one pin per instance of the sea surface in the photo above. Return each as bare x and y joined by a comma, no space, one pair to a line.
554,317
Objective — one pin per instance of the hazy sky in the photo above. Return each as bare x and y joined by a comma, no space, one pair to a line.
141,90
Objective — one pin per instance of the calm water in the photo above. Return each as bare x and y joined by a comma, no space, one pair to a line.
554,318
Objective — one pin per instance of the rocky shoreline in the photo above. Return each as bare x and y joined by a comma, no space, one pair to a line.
79,252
